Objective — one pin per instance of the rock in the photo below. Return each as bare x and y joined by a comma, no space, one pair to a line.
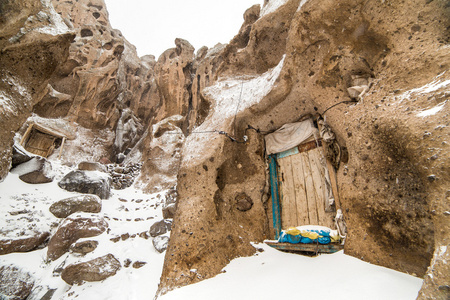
19,155
160,227
41,293
139,264
243,202
169,211
171,196
91,166
83,203
23,244
94,270
72,229
36,170
15,284
84,247
87,182
160,243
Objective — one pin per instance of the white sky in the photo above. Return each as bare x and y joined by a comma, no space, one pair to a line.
153,25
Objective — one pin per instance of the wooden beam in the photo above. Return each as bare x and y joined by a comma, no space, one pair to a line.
62,146
27,133
315,248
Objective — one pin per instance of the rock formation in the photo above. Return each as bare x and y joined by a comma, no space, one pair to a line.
391,183
33,41
375,71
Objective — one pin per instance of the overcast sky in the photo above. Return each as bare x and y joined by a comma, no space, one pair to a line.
153,25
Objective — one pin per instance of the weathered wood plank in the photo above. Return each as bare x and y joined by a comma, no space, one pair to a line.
315,248
310,193
317,170
26,135
288,206
300,190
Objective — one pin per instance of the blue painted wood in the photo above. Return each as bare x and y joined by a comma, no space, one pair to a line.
276,208
289,152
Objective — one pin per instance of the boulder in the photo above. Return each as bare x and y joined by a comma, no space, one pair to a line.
82,203
36,170
87,182
15,284
94,270
160,227
72,229
23,244
91,166
84,247
19,155
160,243
169,211
41,292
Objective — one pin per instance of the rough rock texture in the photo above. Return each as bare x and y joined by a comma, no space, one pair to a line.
33,42
36,170
160,227
15,284
392,183
19,156
23,244
87,182
159,171
84,247
85,203
94,270
72,229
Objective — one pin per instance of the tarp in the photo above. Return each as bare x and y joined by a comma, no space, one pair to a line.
309,234
290,135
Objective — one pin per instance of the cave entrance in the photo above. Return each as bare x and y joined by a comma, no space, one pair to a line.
303,188
41,140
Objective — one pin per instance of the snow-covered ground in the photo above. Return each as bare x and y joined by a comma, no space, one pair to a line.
266,275
128,212
272,274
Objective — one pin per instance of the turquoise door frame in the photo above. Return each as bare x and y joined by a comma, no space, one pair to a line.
276,207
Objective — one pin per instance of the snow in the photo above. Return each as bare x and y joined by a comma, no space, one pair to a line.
127,211
301,4
432,111
433,86
272,6
277,275
57,25
230,96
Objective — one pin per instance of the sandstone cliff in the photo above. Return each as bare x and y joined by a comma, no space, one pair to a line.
391,185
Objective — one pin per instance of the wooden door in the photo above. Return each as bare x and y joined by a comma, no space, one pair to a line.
303,188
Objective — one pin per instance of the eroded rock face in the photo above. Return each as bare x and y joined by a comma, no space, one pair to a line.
87,182
72,229
23,244
94,270
85,203
15,284
33,41
389,190
160,170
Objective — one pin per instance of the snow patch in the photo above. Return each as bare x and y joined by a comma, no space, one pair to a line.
433,86
231,96
301,4
272,6
432,111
